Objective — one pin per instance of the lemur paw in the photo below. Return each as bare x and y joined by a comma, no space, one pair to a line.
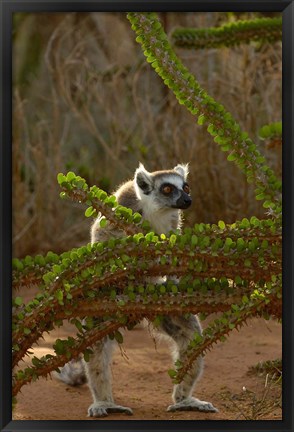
192,404
102,409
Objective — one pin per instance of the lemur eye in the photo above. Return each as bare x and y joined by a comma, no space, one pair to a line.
167,189
186,189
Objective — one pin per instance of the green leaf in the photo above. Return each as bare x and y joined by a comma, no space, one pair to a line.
57,269
59,346
238,280
221,224
61,178
36,362
201,119
90,211
172,373
137,218
225,147
18,301
113,294
228,242
78,324
103,222
245,299
267,204
212,130
118,337
265,131
194,240
199,266
48,277
240,244
174,289
70,176
125,258
59,296
232,157
87,354
162,289
28,260
260,196
17,264
245,223
110,201
172,239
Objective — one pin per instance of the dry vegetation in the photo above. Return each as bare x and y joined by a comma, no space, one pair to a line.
86,100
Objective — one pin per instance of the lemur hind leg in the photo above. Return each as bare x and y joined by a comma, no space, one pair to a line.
181,330
98,372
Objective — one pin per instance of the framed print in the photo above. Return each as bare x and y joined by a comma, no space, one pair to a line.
146,215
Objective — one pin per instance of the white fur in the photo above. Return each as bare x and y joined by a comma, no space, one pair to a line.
192,404
183,170
100,383
161,220
141,170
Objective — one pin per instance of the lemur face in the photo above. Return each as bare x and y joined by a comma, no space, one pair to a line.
163,189
175,193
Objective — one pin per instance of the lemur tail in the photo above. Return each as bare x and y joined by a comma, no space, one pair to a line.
72,373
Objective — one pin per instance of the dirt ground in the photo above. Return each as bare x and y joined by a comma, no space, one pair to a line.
140,380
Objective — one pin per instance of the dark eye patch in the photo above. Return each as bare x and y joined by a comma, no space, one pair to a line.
186,188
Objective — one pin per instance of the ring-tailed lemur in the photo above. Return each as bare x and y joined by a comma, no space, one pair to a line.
159,197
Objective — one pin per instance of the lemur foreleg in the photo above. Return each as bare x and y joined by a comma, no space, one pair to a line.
98,372
181,330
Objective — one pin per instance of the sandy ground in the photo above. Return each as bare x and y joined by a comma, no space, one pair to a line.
140,380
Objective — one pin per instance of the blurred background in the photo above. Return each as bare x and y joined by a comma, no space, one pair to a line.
85,100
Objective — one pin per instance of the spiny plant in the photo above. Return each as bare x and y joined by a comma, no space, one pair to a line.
228,268
220,123
234,269
271,134
260,30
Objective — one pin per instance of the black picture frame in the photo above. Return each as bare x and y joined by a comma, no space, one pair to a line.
8,7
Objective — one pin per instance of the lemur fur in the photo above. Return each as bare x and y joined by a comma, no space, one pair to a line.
159,196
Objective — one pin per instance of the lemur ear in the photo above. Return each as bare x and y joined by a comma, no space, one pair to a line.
143,181
182,169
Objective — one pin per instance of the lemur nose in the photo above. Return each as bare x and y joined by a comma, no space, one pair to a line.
183,202
187,199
